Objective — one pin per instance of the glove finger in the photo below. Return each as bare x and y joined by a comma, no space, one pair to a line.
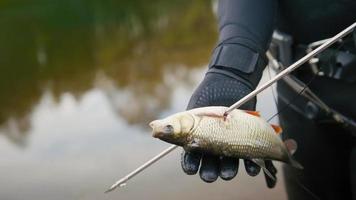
190,162
228,168
269,181
209,169
270,166
252,168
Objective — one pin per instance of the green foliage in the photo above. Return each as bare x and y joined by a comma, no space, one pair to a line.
63,44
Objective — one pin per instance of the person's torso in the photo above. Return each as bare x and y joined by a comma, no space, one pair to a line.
312,20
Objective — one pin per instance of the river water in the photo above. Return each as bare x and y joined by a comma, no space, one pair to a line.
80,80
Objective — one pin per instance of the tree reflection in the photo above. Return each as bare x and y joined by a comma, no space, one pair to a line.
62,45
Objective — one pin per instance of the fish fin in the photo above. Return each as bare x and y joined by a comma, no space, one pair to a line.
292,146
277,129
193,144
261,163
252,112
295,163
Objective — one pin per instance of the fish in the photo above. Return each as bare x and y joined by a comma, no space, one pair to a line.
241,134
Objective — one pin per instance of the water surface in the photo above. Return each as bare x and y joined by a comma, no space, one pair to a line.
79,82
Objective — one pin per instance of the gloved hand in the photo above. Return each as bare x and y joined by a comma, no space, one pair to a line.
218,89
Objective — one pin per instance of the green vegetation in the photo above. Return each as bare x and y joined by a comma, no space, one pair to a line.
61,46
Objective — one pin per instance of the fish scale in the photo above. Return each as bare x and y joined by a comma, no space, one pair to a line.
243,135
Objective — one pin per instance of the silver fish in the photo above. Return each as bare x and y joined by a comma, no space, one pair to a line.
242,134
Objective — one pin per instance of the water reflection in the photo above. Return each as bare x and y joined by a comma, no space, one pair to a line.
80,80
61,46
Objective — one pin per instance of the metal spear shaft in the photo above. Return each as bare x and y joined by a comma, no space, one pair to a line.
291,68
283,73
123,181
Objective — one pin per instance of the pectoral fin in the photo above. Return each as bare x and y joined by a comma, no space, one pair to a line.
261,163
193,144
277,129
252,112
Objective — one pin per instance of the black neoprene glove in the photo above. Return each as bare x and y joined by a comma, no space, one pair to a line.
218,89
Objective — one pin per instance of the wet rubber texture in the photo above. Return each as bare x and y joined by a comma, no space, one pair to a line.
209,170
190,162
228,168
252,168
270,167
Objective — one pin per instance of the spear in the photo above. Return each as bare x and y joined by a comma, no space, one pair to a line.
285,72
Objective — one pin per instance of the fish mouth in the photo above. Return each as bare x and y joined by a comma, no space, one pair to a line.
152,124
155,133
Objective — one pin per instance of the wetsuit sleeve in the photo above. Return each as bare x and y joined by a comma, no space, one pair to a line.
245,30
236,67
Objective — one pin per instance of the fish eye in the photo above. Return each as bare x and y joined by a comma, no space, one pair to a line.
168,129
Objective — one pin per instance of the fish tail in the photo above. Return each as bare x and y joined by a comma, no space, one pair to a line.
294,163
291,146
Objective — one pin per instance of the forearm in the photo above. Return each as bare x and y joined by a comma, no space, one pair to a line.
245,30
236,66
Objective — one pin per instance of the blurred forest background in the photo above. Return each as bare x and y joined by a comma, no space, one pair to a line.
80,80
62,46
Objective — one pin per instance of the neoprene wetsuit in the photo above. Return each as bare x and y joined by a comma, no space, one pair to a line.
327,151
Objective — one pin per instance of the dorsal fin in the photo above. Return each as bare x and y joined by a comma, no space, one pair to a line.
277,128
252,112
